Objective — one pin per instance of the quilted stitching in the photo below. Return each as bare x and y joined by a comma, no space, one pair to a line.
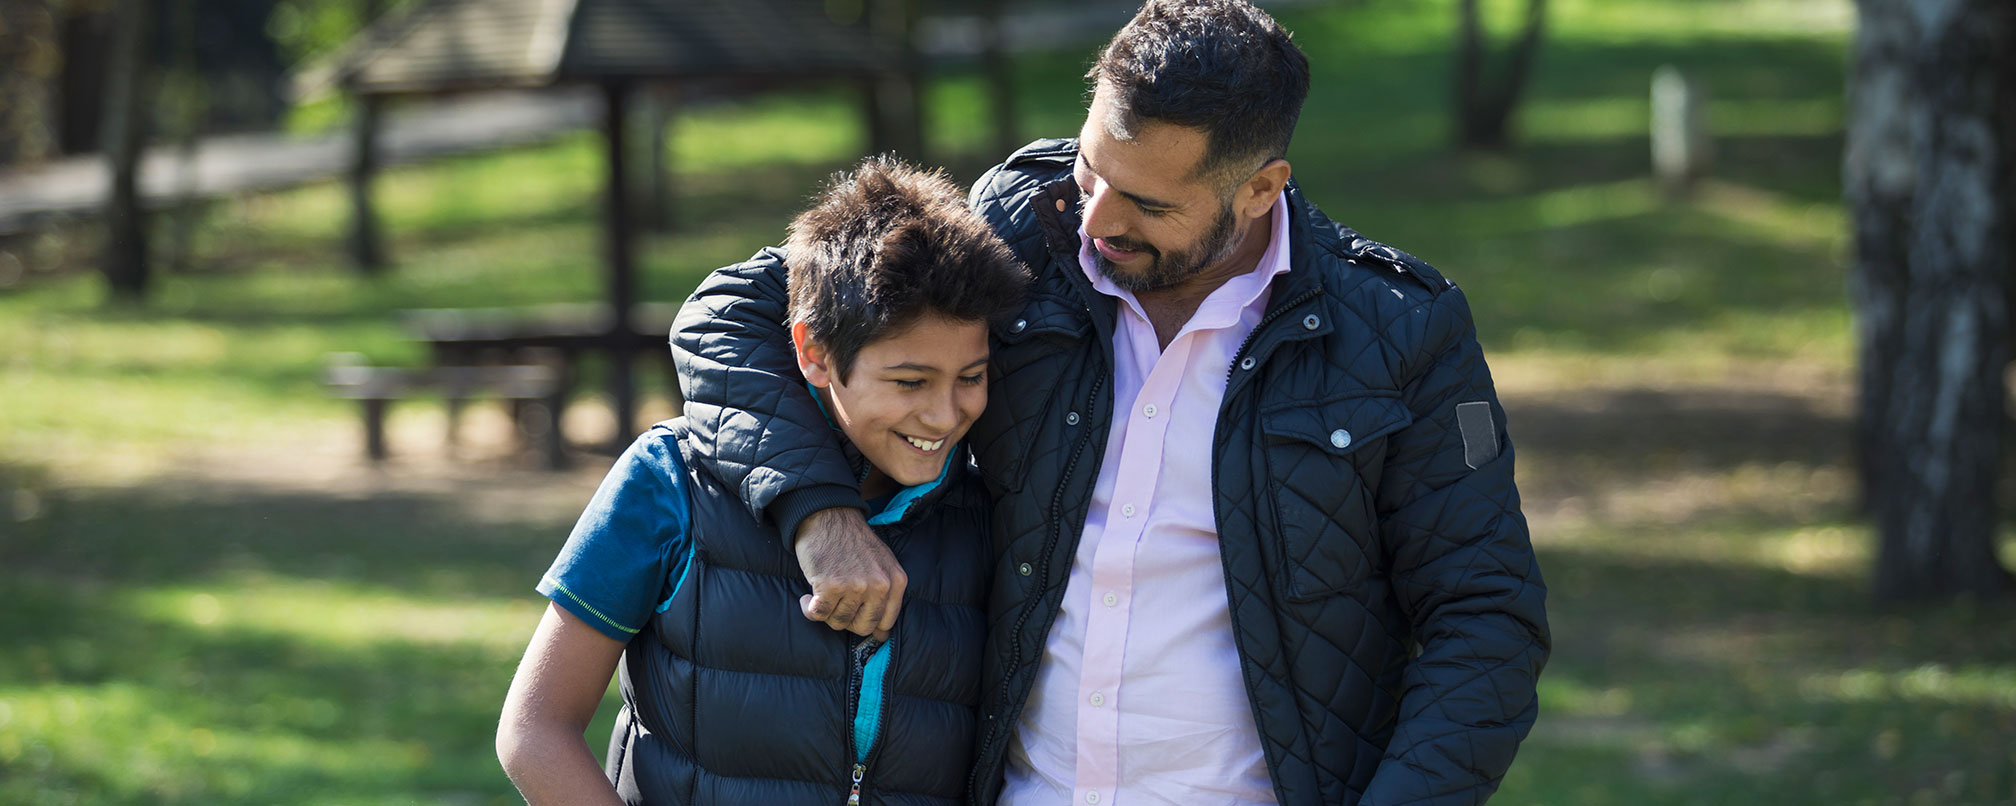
1341,563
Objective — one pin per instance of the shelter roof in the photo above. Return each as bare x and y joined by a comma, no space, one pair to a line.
450,45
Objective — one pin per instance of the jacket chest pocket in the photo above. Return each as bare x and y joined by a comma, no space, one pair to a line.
1323,464
1034,357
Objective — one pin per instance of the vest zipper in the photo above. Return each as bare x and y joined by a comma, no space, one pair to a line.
864,655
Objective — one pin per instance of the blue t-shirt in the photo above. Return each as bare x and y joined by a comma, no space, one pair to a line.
626,554
630,549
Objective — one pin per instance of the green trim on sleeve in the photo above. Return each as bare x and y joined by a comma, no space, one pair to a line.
586,606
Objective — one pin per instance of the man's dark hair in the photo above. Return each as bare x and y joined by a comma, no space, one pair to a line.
1221,66
887,244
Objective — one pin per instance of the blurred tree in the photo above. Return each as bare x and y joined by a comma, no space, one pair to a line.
999,69
896,118
1930,181
27,64
366,244
127,106
1484,109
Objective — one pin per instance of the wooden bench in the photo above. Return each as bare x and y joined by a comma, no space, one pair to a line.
525,385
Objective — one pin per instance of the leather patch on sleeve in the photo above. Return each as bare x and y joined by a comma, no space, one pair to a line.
1480,433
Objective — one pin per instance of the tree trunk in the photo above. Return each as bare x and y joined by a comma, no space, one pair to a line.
126,114
1484,111
999,69
366,240
1931,183
897,96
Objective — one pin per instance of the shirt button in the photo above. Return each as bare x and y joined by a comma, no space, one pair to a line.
1091,796
1148,410
1024,568
1247,362
1111,599
1098,698
1127,510
1071,418
1340,438
1018,326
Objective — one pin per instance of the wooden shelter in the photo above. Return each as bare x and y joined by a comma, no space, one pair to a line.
618,45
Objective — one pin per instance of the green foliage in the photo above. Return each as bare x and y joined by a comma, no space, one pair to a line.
210,600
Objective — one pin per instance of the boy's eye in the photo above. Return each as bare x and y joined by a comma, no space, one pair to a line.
909,384
972,380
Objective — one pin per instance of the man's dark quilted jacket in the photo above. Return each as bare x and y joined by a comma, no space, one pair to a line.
1389,613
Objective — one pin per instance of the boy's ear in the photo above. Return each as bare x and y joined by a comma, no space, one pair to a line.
813,359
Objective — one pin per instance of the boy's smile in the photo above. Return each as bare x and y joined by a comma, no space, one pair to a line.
910,397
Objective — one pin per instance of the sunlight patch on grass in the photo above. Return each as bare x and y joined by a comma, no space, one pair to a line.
1639,19
147,743
340,615
1979,686
1761,213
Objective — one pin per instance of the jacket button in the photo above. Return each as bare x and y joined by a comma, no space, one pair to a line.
1018,326
1311,322
1247,362
1071,418
1024,568
1340,438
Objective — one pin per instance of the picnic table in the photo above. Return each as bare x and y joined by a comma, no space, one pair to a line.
529,355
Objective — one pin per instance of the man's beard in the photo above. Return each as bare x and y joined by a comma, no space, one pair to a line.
1168,270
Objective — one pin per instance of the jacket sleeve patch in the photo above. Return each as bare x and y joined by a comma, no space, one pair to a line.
1480,433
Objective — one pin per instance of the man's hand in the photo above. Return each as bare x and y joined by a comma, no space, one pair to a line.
857,585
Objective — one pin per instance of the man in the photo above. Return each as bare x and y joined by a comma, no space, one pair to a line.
1258,538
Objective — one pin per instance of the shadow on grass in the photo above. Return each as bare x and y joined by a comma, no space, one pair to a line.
118,707
176,644
1708,682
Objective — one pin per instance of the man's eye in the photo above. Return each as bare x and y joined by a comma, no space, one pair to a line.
1155,212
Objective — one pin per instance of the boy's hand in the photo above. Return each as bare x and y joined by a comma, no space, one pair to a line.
857,584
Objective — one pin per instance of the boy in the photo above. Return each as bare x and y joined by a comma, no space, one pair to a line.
730,695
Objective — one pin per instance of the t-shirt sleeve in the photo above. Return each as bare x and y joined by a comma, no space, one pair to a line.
631,541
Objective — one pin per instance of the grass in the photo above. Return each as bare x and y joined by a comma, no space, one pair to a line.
210,600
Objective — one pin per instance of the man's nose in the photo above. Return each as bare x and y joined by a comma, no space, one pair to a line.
1102,212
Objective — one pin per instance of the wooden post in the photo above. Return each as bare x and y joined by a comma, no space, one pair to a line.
652,139
622,273
367,248
126,113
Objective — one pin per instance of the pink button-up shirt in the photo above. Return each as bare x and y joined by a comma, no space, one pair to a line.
1139,698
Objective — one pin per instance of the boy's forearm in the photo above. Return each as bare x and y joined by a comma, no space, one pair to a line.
551,765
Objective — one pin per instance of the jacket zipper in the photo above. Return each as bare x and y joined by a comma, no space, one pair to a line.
1218,518
863,653
1232,369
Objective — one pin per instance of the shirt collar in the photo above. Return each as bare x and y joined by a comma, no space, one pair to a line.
1222,307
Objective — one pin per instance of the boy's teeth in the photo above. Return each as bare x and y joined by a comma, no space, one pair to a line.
925,446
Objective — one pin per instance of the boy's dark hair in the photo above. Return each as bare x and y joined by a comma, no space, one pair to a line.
1221,66
887,244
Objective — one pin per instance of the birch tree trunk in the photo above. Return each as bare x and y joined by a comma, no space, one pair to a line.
1930,179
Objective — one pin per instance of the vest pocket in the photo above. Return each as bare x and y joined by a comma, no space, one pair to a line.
1323,460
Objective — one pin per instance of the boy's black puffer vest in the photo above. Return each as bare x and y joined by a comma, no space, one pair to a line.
731,696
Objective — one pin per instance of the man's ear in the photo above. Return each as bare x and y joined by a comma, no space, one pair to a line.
814,362
1256,195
